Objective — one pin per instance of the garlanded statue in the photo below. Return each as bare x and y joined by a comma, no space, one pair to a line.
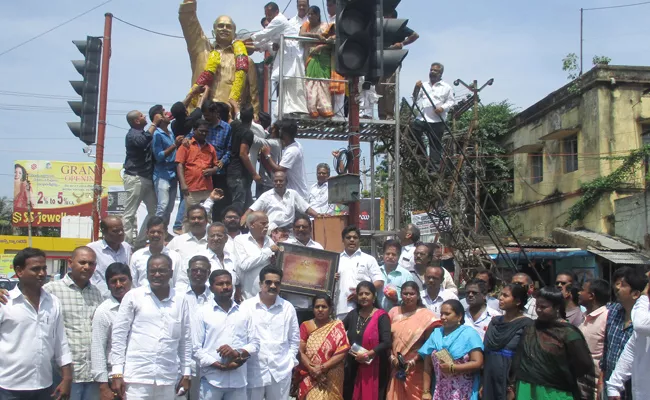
224,66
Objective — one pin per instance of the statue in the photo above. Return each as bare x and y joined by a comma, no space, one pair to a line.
223,67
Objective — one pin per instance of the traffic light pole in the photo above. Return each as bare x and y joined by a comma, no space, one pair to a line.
101,127
354,143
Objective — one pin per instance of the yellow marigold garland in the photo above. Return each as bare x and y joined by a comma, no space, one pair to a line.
241,69
207,76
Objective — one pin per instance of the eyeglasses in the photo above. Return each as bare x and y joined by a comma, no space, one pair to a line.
560,283
272,283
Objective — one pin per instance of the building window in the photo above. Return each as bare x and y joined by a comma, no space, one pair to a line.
570,153
537,167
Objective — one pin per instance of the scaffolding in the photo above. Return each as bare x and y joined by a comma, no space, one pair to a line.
449,192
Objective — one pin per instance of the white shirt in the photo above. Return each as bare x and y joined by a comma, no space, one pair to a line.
319,198
187,245
139,268
252,259
279,334
442,95
30,340
150,336
276,154
297,21
530,308
294,161
101,338
354,269
230,262
259,140
492,302
447,280
280,210
434,304
482,322
298,300
634,362
105,257
213,327
406,257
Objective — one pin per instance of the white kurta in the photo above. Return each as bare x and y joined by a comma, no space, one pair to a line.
293,64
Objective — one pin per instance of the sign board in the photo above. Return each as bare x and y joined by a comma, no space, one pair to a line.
58,189
6,265
371,221
428,225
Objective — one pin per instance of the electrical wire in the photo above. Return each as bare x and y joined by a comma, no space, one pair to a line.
54,28
147,30
619,6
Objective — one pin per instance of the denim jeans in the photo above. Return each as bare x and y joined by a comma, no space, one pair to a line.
240,190
84,391
178,224
138,189
41,394
166,193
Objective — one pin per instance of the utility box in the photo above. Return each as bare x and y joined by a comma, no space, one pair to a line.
344,188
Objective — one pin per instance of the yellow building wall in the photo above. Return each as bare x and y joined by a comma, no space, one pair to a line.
609,126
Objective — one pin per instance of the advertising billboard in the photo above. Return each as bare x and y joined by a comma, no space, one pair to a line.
58,189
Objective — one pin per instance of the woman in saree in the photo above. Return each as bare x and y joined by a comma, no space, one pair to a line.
366,366
317,65
454,354
501,340
411,324
552,361
323,347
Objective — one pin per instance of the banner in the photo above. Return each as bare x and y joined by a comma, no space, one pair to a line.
58,189
428,225
6,265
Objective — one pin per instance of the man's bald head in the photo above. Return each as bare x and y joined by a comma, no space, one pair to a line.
136,119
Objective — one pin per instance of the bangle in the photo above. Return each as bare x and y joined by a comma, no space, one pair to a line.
426,391
452,368
117,376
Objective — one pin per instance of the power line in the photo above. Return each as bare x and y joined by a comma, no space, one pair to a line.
619,6
52,29
147,30
61,97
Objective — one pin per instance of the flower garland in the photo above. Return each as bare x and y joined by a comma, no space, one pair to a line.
214,61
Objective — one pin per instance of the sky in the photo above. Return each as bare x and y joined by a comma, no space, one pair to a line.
519,44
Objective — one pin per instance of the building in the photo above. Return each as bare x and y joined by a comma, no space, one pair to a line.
564,141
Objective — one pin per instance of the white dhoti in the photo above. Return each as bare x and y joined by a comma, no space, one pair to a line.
293,71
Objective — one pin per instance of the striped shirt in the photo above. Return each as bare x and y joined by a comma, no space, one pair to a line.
616,336
78,306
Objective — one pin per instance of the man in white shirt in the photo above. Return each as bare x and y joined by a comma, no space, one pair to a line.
195,241
319,192
151,333
255,250
118,278
423,258
408,237
635,359
526,281
433,117
280,204
275,145
354,266
478,315
293,159
269,371
302,230
222,256
301,17
111,248
222,353
293,63
394,275
32,335
434,294
197,294
490,281
156,232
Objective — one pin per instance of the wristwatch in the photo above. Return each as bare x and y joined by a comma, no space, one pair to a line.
267,156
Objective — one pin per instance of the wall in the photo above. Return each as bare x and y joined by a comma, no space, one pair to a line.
633,218
605,117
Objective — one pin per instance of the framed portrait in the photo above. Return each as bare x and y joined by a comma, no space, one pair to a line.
307,271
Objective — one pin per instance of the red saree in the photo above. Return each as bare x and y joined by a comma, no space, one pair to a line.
321,345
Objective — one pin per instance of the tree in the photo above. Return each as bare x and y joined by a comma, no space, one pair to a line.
6,210
570,65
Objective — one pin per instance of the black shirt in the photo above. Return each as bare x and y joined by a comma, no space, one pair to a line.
183,128
139,157
240,135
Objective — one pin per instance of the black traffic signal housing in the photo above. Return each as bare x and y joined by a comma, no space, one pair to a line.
387,31
355,28
88,89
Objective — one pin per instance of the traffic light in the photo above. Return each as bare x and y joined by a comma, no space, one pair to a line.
387,31
88,89
355,27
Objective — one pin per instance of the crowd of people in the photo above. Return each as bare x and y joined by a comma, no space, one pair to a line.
205,315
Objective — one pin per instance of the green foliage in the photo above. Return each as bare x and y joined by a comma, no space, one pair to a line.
570,65
601,60
6,209
594,190
493,125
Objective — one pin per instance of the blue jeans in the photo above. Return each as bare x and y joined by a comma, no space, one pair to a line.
166,194
240,190
41,394
178,224
84,391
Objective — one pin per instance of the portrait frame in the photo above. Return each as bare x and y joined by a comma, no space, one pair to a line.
307,271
